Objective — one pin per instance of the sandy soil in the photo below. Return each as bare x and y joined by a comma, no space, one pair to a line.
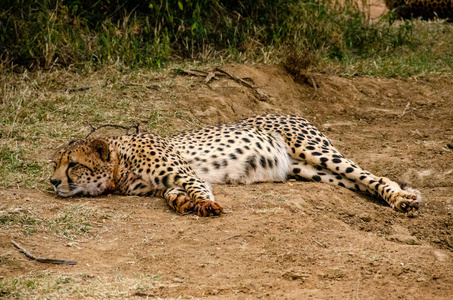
292,240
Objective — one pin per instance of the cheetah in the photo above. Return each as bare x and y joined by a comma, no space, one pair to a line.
181,168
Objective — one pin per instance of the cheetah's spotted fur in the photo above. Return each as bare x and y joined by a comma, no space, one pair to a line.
180,168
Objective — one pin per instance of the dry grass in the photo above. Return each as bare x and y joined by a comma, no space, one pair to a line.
72,222
48,285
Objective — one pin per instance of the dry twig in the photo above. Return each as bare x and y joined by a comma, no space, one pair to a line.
71,90
257,92
319,243
232,237
42,259
200,73
152,87
210,76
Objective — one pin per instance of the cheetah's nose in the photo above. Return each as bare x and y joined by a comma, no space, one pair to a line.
55,182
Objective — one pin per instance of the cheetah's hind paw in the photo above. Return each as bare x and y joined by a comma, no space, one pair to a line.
408,201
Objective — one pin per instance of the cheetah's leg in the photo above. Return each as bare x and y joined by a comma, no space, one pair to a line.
322,153
301,169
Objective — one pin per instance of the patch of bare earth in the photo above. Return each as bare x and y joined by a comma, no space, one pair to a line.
292,240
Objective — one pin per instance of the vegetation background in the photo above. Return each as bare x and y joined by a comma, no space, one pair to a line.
83,35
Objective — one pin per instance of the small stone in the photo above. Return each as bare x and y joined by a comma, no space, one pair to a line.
291,275
440,256
365,218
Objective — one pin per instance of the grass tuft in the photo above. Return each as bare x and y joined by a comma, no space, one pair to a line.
69,223
78,285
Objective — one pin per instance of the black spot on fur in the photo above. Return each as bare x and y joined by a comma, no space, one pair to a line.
316,178
263,161
251,162
269,163
165,181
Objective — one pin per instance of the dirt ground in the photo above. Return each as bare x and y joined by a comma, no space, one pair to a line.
291,240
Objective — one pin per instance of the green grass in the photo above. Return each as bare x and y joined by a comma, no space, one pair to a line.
48,285
14,164
72,223
87,36
43,285
69,223
428,52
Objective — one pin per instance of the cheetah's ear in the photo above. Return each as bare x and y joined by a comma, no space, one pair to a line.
101,147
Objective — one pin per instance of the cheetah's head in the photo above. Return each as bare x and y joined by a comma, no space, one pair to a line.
83,167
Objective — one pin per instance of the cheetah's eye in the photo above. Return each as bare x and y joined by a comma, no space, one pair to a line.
72,164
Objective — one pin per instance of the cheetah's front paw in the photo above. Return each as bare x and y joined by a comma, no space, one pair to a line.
205,208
